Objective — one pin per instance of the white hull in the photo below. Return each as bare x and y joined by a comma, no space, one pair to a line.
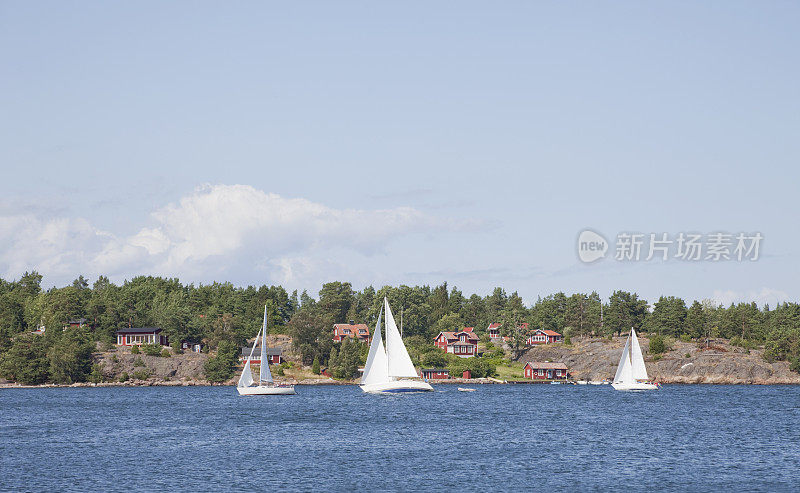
397,386
266,390
634,386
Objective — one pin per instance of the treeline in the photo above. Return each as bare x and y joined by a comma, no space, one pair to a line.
218,312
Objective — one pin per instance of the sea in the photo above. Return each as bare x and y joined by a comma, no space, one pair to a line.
336,438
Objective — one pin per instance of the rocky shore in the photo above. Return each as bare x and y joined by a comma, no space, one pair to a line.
685,362
588,359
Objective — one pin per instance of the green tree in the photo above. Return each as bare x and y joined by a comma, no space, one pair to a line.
221,367
71,357
668,317
26,361
625,310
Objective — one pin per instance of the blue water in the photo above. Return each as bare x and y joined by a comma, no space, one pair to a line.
502,438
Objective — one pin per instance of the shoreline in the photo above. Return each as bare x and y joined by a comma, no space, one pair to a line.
326,383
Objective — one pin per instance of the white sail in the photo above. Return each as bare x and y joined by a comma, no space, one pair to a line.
246,379
637,363
624,368
377,368
400,364
264,373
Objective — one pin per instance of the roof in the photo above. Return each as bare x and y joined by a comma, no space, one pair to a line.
495,325
77,321
338,329
435,369
453,336
546,366
139,330
549,332
271,351
467,329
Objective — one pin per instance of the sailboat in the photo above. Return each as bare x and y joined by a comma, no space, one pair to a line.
631,372
389,369
266,385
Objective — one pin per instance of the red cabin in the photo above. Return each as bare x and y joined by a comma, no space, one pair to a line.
274,355
544,337
546,371
463,344
435,374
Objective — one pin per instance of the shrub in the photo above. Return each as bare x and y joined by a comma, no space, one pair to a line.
96,376
279,371
138,362
151,349
114,358
141,374
315,366
687,355
135,350
795,366
567,339
657,357
685,338
176,347
657,344
165,353
124,377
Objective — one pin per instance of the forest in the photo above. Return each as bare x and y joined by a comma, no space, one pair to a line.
224,316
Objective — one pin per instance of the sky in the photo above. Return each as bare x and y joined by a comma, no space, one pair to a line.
298,143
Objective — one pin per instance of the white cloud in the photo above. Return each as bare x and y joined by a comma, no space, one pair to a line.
216,229
762,297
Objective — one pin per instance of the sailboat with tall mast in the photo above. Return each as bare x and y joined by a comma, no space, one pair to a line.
266,384
389,369
631,372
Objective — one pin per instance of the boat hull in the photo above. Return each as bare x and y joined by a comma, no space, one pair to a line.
265,390
634,386
397,387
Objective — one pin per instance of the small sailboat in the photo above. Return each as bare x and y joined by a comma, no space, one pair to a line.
631,372
389,369
266,385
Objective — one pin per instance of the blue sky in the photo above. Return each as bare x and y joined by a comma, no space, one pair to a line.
297,143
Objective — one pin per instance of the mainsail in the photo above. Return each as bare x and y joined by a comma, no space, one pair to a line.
400,364
264,373
377,368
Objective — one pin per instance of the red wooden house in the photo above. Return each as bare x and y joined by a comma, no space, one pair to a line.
544,337
136,336
435,374
546,371
352,330
274,355
463,343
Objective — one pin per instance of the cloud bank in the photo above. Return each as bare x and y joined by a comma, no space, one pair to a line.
217,229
